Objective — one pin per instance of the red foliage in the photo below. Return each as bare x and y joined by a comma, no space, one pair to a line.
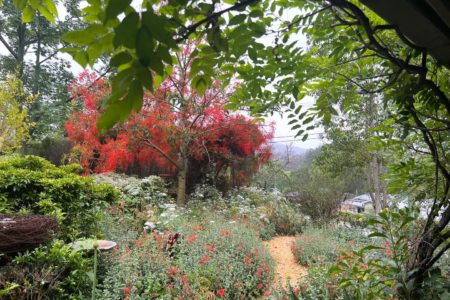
174,120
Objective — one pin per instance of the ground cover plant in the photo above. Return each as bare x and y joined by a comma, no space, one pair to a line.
209,259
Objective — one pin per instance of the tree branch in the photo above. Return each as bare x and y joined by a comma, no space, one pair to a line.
374,45
160,151
10,49
192,28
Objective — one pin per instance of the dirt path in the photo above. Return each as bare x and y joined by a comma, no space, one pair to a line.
287,270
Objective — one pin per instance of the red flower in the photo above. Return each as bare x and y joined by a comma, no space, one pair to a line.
340,258
248,260
206,258
224,233
201,261
221,292
172,271
260,286
191,238
389,252
212,248
297,291
127,291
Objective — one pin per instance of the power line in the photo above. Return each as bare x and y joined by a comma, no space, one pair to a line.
293,136
297,140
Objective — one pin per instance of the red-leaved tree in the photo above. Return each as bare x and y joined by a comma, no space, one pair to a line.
178,131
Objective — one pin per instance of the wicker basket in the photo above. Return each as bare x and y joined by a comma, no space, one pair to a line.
19,233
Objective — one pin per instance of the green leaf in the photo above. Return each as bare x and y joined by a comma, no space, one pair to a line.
144,75
334,270
199,83
256,14
34,4
377,234
27,14
116,7
125,33
20,4
121,81
94,51
50,6
6,290
85,36
158,27
120,59
373,222
46,13
308,120
144,46
136,95
299,133
371,247
258,28
295,92
252,54
82,58
237,19
114,113
156,64
164,53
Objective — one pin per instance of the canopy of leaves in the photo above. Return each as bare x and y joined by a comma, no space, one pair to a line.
175,120
14,123
32,52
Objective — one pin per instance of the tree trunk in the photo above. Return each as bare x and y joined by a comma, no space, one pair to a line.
21,50
375,192
37,65
182,177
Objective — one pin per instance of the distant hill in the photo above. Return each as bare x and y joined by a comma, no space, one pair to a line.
280,149
292,157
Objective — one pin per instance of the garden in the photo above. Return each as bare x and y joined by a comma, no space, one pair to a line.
224,149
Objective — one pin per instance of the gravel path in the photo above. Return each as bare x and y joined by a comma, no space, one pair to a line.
287,270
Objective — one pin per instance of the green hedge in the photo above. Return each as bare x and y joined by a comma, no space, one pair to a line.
31,184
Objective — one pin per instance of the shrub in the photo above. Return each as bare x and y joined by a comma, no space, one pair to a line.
33,185
137,192
285,217
317,285
210,258
271,213
315,245
379,270
52,148
322,245
51,272
354,219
